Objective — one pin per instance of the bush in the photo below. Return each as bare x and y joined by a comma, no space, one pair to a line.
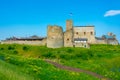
15,52
14,61
49,55
85,55
25,48
2,57
1,48
99,55
70,50
11,48
65,56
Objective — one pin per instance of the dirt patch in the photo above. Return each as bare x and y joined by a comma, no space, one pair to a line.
77,70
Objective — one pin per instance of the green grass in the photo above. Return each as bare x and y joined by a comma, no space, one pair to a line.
12,72
36,68
102,59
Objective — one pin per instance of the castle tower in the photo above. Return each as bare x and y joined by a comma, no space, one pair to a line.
68,35
55,37
110,34
69,25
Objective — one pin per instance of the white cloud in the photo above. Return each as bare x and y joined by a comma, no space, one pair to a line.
112,13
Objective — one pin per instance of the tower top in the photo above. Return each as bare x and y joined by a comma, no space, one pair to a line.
69,25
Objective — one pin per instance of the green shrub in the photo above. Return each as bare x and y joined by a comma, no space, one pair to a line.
25,48
99,55
58,52
70,50
11,48
62,56
2,57
49,55
84,55
14,61
15,52
65,56
1,48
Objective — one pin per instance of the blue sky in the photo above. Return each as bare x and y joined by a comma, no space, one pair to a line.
23,18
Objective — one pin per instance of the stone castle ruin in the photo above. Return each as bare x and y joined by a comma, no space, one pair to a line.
74,36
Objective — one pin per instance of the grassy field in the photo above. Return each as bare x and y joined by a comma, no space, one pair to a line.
21,61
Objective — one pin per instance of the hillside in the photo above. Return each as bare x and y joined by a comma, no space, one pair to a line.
30,60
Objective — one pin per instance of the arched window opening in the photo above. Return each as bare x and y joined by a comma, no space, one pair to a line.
67,39
77,33
91,33
84,33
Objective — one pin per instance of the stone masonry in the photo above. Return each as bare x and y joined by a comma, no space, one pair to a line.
55,37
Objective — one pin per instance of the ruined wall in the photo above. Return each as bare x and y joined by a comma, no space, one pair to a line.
55,37
44,42
101,42
23,42
113,42
85,32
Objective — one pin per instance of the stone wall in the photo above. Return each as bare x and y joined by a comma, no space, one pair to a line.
105,41
22,42
55,37
44,41
101,41
113,42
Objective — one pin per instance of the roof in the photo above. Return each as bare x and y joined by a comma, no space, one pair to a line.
80,39
99,38
111,39
84,26
26,38
29,39
108,37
